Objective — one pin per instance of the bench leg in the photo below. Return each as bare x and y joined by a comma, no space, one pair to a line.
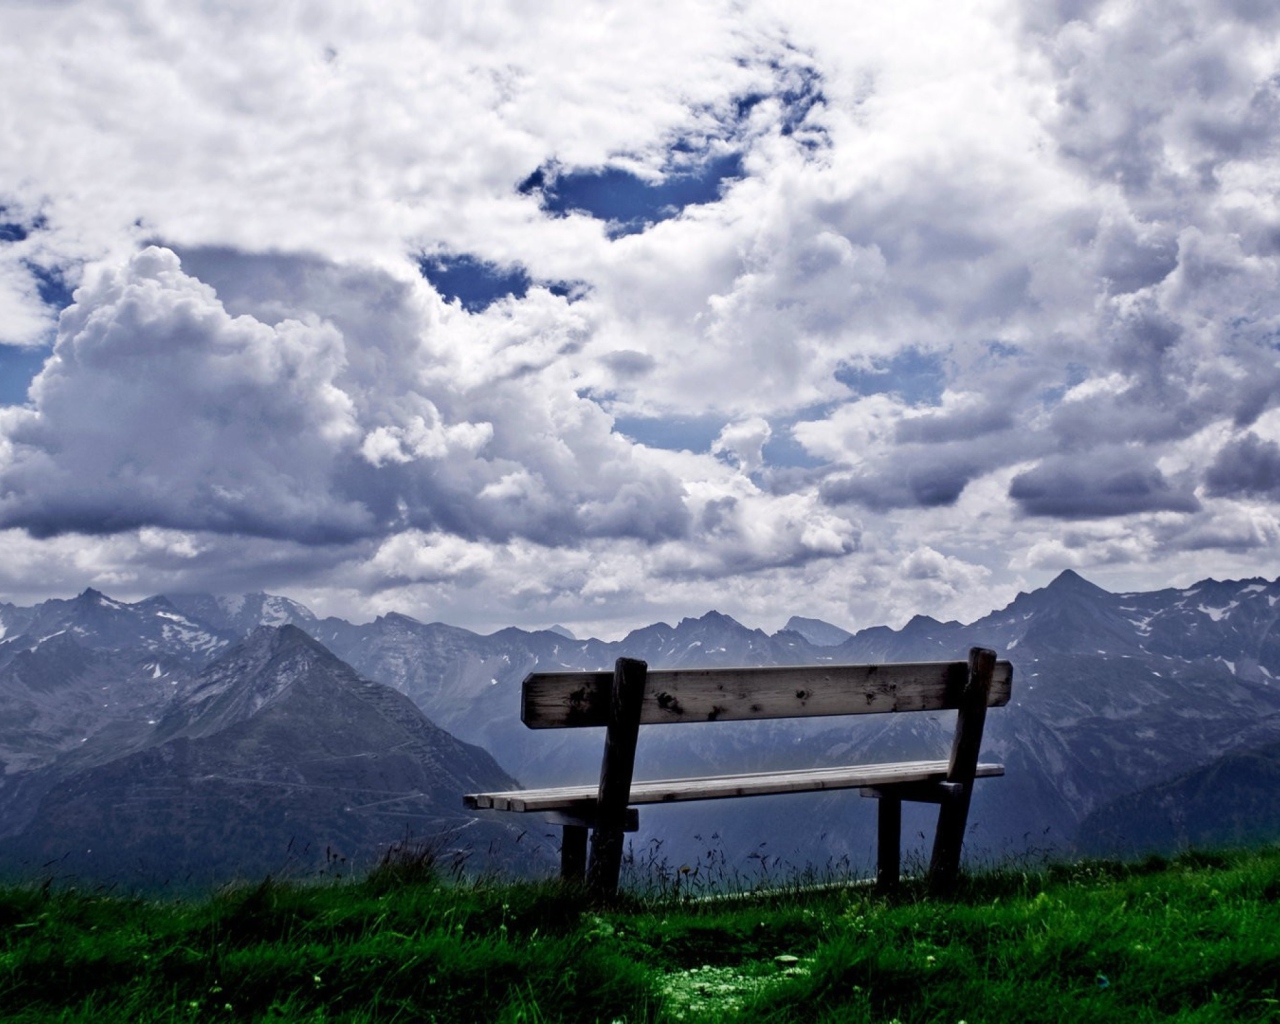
573,853
889,844
953,814
616,769
606,862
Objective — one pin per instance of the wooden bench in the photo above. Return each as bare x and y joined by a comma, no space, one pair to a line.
632,696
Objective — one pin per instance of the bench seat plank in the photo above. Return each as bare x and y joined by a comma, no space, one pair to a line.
554,700
659,791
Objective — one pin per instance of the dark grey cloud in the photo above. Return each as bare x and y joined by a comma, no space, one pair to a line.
944,248
1227,535
1257,12
950,425
629,364
1246,466
1050,15
1250,132
1155,97
1097,484
1129,261
922,485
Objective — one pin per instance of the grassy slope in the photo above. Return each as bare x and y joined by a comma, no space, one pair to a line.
1197,939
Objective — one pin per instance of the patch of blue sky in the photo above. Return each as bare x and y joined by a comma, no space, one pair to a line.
51,282
571,290
674,433
696,168
18,367
52,285
800,91
1077,373
916,377
698,433
17,230
477,284
1002,350
626,202
474,283
782,449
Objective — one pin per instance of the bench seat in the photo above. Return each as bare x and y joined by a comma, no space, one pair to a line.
581,800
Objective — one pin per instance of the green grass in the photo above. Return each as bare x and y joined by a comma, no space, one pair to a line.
1196,939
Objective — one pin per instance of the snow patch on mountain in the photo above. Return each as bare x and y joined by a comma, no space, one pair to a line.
275,611
1218,614
191,637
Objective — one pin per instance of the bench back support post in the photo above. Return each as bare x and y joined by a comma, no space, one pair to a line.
616,771
888,842
573,853
953,812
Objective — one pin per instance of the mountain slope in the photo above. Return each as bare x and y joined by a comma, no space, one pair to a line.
274,756
100,623
1233,801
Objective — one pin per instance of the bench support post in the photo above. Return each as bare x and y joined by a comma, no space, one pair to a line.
888,843
615,777
573,853
953,812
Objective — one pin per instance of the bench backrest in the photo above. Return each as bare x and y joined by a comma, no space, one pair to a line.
559,700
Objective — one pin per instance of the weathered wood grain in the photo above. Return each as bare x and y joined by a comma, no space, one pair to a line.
552,700
953,811
658,791
915,792
573,853
616,771
888,843
575,817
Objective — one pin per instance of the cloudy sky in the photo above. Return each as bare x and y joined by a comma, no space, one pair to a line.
604,313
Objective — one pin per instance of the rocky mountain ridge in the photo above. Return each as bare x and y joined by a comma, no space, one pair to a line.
1113,693
276,756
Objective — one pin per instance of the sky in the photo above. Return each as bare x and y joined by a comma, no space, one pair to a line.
600,314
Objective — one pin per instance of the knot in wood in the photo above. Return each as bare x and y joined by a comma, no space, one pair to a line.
669,703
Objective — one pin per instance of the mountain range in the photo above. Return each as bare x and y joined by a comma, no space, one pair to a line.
126,761
187,702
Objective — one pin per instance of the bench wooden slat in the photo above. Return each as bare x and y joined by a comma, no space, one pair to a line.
658,791
551,700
